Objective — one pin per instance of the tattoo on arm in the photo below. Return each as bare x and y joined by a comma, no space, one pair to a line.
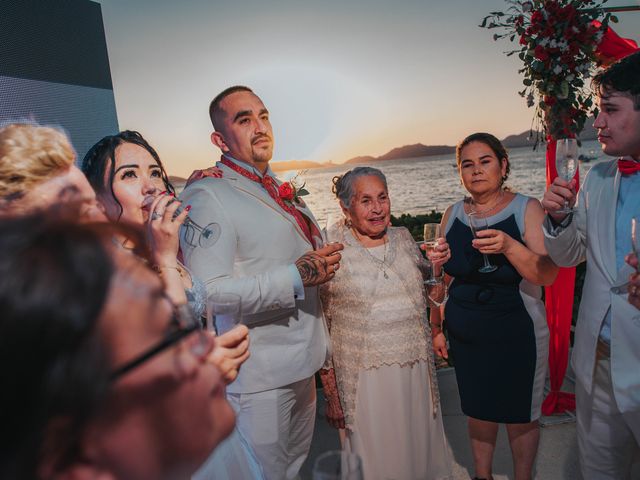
308,269
312,268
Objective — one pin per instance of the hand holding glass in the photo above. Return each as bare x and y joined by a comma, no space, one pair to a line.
224,311
431,235
566,164
477,224
206,237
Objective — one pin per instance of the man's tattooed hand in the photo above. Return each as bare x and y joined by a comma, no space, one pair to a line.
319,266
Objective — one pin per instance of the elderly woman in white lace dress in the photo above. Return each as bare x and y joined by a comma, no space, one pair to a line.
383,387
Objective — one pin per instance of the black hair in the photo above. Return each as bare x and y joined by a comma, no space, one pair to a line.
490,141
103,153
622,76
214,106
55,278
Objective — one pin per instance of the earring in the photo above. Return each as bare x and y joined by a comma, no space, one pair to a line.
347,222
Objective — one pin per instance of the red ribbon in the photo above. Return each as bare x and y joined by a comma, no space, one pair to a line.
628,167
271,187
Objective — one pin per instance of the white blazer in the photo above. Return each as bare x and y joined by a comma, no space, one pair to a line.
257,244
591,236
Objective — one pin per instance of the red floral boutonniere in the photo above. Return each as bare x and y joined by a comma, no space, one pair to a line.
290,192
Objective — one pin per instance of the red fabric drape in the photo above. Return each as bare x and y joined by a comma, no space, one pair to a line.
559,306
613,47
559,296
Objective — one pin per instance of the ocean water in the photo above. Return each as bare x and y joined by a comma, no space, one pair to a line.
419,185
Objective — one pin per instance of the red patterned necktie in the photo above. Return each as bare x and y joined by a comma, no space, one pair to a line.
272,189
628,167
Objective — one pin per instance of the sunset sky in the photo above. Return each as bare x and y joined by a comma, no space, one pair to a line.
341,78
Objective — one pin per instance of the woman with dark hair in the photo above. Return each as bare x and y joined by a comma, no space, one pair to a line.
132,187
496,320
97,362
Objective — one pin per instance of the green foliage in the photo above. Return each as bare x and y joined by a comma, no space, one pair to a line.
415,223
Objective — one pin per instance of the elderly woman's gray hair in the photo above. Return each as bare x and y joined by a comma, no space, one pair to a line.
343,184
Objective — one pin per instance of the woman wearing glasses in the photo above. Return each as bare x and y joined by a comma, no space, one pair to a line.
98,365
132,187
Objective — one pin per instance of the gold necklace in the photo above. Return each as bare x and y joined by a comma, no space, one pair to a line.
487,210
379,264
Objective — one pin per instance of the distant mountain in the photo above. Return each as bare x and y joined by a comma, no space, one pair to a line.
527,139
524,139
407,151
416,150
297,165
362,159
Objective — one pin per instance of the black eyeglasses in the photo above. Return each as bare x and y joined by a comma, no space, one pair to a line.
186,324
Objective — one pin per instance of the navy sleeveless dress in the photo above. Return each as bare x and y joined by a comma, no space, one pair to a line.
497,326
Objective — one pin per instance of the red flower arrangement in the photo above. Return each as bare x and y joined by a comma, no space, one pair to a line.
286,191
290,192
558,41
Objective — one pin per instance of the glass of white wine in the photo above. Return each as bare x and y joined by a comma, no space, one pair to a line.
431,235
566,163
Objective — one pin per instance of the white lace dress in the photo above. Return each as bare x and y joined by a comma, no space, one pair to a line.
383,358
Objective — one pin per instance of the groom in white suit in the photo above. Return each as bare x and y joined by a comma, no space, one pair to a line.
606,352
264,254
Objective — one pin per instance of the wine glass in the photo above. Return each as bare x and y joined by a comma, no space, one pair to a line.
337,465
431,235
566,163
207,236
635,238
329,221
478,223
224,311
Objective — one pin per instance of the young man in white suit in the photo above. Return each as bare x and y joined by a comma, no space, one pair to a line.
606,353
265,254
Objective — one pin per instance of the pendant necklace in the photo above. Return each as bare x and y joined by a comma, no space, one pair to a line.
380,264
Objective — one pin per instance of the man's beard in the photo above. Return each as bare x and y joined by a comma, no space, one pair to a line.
262,155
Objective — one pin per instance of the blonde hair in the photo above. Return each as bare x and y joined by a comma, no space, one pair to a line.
29,155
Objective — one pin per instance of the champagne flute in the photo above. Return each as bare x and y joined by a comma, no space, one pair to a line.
478,223
206,236
431,235
338,465
566,163
329,221
224,311
635,238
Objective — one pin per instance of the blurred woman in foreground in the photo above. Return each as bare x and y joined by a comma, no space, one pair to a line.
98,364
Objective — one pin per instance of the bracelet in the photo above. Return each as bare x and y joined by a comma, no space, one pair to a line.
435,325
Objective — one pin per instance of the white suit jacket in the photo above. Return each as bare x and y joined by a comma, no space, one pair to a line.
591,236
257,244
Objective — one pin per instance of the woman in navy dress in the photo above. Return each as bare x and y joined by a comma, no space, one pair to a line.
496,321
